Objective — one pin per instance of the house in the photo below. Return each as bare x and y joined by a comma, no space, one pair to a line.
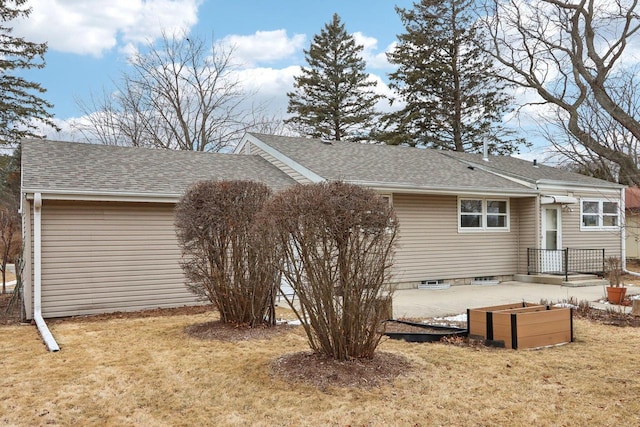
99,232
632,222
466,218
98,222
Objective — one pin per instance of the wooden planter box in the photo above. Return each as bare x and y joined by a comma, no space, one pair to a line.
521,325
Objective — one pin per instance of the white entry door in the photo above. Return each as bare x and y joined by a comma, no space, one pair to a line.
552,239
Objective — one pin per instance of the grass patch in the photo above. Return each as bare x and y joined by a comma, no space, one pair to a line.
150,371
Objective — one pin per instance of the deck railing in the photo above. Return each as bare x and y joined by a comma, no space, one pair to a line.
565,261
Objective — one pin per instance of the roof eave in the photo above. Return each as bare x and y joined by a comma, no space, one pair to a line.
427,189
103,196
578,185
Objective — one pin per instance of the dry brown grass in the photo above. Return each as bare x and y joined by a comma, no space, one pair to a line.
148,371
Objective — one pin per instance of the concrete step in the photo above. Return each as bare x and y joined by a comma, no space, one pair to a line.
582,283
575,280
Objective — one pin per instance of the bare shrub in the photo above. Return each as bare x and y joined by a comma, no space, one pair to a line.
224,257
336,241
613,271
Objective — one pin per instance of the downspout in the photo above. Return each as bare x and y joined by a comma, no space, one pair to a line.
623,235
51,343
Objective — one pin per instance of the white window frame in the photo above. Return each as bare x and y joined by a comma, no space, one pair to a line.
599,215
483,215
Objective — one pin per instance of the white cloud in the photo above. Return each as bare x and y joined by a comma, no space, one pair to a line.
91,27
373,58
264,46
269,86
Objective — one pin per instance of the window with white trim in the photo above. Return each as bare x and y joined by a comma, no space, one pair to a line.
483,214
598,214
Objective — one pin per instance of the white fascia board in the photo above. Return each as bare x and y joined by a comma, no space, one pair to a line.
241,144
307,173
554,184
103,196
406,188
548,186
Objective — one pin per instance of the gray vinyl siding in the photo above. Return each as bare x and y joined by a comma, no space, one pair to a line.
106,257
524,212
431,248
632,234
295,175
573,237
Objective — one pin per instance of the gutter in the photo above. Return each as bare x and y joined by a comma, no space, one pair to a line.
51,343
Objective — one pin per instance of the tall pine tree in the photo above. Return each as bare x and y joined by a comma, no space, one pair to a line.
452,100
20,104
333,98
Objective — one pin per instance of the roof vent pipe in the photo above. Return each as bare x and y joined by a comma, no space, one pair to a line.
535,163
485,151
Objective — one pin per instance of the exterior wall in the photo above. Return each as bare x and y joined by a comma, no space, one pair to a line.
573,237
105,257
297,176
524,211
632,234
431,248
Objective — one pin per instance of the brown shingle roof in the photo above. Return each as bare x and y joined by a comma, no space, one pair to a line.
88,168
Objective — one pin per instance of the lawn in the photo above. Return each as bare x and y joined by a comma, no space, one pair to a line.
148,371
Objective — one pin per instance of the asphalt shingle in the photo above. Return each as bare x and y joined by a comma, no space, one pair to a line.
527,171
386,165
90,168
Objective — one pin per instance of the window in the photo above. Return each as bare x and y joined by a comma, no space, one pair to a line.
388,198
483,214
599,215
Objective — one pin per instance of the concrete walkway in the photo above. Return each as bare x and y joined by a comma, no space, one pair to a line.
418,303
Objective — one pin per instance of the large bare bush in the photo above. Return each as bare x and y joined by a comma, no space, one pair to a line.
224,257
336,241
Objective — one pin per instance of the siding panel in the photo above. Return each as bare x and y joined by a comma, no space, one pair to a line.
524,211
105,257
573,237
430,246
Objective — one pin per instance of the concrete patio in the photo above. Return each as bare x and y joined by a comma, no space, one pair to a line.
417,303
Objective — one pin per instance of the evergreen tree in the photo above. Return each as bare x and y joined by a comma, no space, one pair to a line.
20,104
452,99
333,98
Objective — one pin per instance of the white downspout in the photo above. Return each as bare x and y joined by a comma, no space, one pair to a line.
51,343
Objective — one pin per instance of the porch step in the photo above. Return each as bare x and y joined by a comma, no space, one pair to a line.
575,280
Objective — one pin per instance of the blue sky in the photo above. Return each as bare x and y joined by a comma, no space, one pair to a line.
89,40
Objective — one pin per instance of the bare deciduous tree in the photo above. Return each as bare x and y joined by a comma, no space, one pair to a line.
337,243
225,258
182,94
10,238
603,128
10,220
568,51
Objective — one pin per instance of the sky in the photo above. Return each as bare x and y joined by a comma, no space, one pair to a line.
89,41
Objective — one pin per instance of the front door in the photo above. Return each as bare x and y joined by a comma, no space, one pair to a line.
551,239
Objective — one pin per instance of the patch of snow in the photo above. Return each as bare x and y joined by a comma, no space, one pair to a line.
565,305
458,318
